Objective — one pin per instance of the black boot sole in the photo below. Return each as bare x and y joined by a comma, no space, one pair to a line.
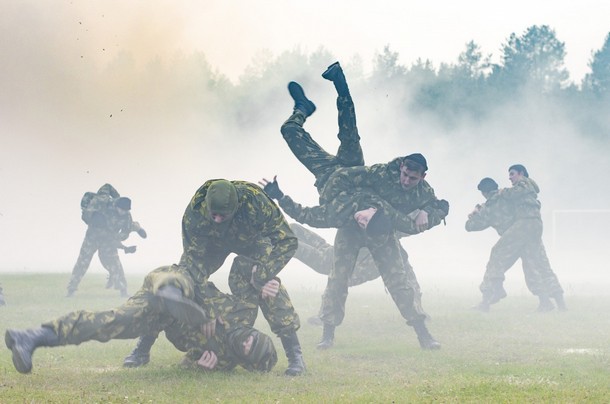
18,360
332,71
182,309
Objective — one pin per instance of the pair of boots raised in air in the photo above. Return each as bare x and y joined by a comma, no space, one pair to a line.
334,73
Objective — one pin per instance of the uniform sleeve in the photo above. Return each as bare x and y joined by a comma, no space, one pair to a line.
479,220
333,214
126,227
349,179
197,256
404,220
523,189
282,241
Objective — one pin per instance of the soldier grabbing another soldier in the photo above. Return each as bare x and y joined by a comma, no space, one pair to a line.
158,306
515,214
109,223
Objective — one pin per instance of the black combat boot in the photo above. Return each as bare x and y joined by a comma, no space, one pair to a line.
545,304
328,337
561,304
498,294
335,74
301,102
179,307
141,354
292,347
23,343
426,341
490,297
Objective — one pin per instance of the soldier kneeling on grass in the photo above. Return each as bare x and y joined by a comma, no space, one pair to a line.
163,303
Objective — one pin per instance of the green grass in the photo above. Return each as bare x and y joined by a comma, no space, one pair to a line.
511,355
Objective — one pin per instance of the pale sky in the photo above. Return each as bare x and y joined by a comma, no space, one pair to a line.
230,33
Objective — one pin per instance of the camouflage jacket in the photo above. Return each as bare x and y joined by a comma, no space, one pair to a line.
497,212
342,209
235,313
353,188
258,230
104,220
524,196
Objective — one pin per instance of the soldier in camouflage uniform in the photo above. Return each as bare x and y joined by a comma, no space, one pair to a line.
148,311
398,185
227,217
109,223
515,214
317,254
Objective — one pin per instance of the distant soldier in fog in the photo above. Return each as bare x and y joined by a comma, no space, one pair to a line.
515,214
109,223
399,185
2,301
161,305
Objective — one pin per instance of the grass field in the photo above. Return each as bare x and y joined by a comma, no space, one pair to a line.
510,355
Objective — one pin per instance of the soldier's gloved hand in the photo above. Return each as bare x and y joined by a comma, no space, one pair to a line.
209,329
272,188
208,360
270,289
142,233
130,250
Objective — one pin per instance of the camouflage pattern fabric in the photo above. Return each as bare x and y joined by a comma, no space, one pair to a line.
398,277
258,233
340,210
524,195
104,243
278,311
317,254
143,315
345,185
104,235
520,228
320,163
497,212
380,183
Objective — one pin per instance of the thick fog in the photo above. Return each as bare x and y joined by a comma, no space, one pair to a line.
72,119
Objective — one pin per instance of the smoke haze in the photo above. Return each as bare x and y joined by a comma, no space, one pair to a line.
113,92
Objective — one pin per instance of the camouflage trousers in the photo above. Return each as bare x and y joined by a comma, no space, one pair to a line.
317,254
398,277
523,240
109,257
143,314
278,311
319,162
